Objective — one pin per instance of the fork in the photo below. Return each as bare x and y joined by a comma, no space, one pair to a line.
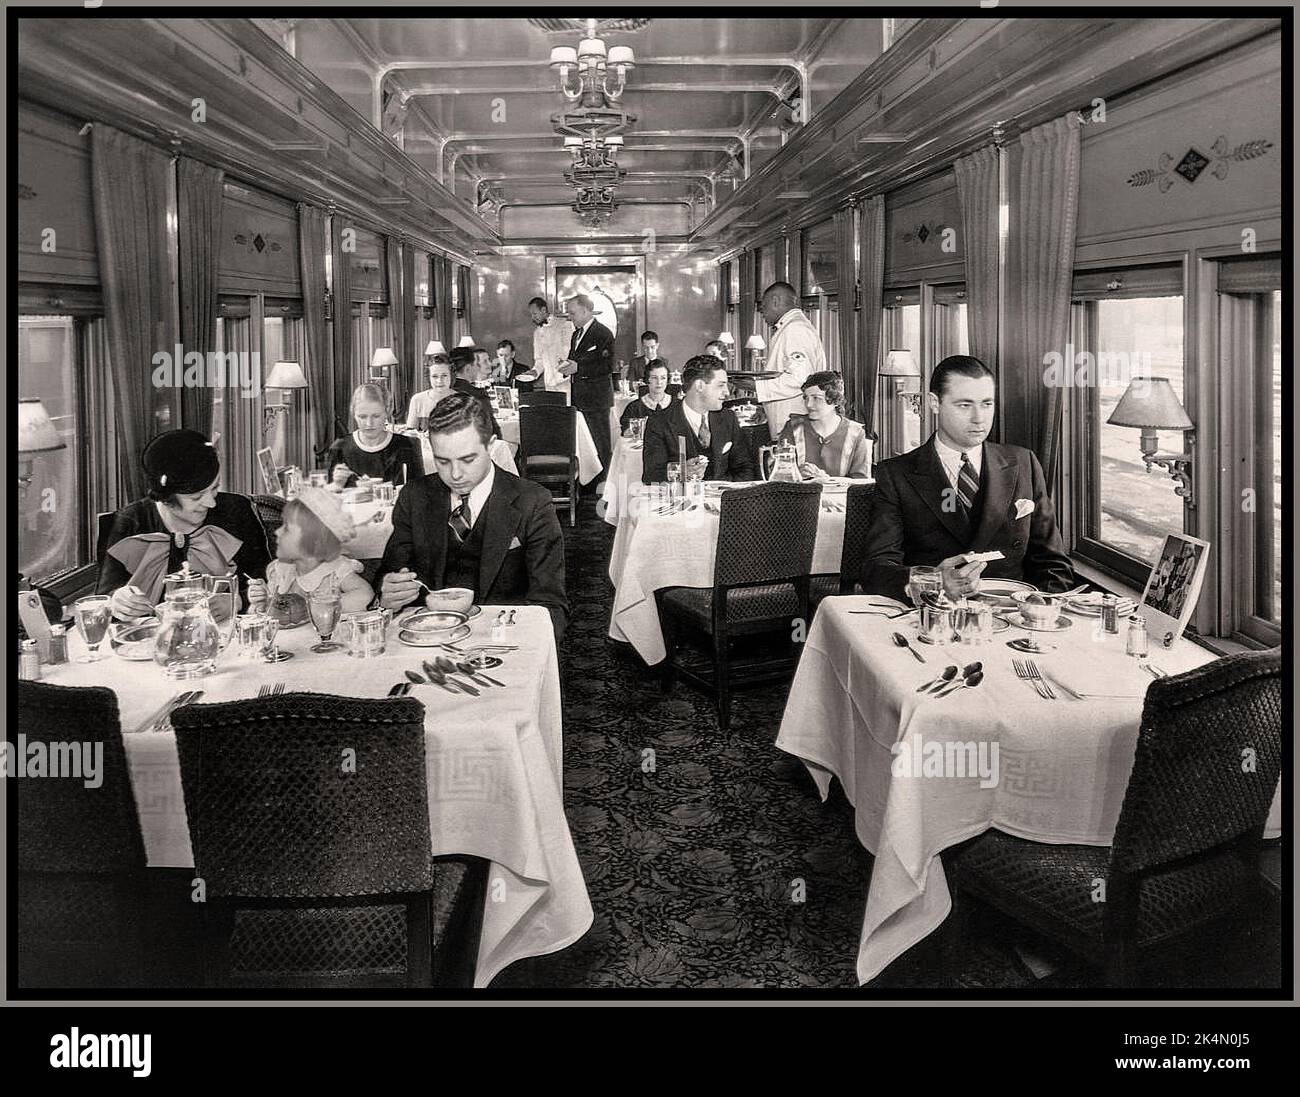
180,702
1022,671
1037,675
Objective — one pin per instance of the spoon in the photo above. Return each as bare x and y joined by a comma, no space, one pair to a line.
949,673
431,680
971,681
901,641
443,666
476,674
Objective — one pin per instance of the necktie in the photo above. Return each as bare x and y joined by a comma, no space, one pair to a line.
460,519
968,484
704,433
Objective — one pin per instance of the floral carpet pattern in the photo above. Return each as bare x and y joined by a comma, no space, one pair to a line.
711,861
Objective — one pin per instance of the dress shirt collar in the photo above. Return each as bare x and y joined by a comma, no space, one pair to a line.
693,417
478,496
951,458
582,331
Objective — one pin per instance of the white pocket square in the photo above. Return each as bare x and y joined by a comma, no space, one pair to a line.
515,543
1023,507
726,447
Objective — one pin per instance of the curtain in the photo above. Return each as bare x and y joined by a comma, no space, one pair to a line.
240,419
316,361
340,264
442,275
845,246
977,191
747,293
871,278
199,204
130,183
409,348
397,312
1044,224
794,261
466,301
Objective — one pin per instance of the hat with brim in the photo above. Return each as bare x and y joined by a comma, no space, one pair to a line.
329,510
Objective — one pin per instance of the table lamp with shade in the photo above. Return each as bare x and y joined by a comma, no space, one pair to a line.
434,347
757,348
381,365
36,434
728,342
902,363
466,340
285,376
1150,404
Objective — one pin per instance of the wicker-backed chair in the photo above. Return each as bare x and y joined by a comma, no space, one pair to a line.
309,823
1186,844
766,536
270,512
81,861
548,449
858,507
539,397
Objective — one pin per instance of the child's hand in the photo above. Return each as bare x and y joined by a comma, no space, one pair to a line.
257,595
341,474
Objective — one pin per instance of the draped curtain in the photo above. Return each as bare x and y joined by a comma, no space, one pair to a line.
466,301
442,275
316,361
240,421
871,279
409,348
746,261
1044,223
397,313
340,264
846,265
977,191
199,204
130,189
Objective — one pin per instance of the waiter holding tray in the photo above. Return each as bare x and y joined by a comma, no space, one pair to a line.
794,352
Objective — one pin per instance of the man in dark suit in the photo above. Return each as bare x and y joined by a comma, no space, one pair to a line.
707,426
958,493
471,524
589,365
648,357
466,367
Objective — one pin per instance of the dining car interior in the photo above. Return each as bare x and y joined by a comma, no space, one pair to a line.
687,505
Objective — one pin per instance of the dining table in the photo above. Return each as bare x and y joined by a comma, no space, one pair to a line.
657,547
621,400
925,771
625,467
589,465
494,763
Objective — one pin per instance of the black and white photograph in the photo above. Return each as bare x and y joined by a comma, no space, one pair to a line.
707,505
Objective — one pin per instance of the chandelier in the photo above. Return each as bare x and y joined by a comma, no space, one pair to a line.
585,73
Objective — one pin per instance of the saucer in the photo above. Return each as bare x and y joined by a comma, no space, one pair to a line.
1062,623
432,639
1029,645
433,622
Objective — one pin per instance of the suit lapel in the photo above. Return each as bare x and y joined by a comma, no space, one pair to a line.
439,512
1000,482
931,483
502,517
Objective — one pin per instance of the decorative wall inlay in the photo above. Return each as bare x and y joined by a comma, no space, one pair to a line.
258,243
1194,163
923,232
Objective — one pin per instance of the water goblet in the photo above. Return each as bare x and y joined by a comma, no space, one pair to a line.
93,615
324,607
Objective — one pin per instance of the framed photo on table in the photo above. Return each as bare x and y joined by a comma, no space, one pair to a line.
270,477
1174,586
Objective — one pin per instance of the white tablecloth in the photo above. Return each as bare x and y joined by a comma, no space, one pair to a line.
494,768
625,465
372,536
1063,766
620,402
652,551
588,458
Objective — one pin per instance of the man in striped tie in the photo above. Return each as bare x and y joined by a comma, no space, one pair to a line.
958,493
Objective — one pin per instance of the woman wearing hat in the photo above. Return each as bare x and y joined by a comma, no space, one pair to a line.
373,449
183,520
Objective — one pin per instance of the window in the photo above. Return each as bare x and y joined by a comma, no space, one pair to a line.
895,419
820,261
1127,324
50,503
950,332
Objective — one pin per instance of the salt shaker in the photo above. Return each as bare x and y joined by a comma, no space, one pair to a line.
1136,642
58,645
1110,613
498,626
29,661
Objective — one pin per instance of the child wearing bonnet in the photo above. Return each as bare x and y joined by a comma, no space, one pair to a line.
309,555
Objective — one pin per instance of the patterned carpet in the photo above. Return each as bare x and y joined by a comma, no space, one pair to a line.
721,868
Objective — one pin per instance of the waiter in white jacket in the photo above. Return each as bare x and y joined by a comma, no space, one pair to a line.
551,339
794,350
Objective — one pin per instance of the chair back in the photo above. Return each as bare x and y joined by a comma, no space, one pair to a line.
63,826
537,397
1207,764
306,795
103,523
547,431
858,508
766,533
270,511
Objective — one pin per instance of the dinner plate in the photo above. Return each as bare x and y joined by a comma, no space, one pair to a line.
432,639
998,592
433,622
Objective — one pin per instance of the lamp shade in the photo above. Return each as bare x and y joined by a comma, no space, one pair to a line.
285,375
466,340
726,339
591,47
383,356
755,342
900,363
564,55
622,55
36,433
1150,403
435,347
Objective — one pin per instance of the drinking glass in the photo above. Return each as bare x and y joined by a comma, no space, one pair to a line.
422,423
270,649
324,607
93,614
251,629
384,493
674,480
922,580
318,478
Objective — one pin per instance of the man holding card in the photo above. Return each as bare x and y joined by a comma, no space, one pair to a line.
958,494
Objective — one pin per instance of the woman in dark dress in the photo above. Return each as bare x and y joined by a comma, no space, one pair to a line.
655,398
373,449
183,519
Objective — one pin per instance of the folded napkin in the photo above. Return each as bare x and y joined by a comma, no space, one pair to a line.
1110,677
